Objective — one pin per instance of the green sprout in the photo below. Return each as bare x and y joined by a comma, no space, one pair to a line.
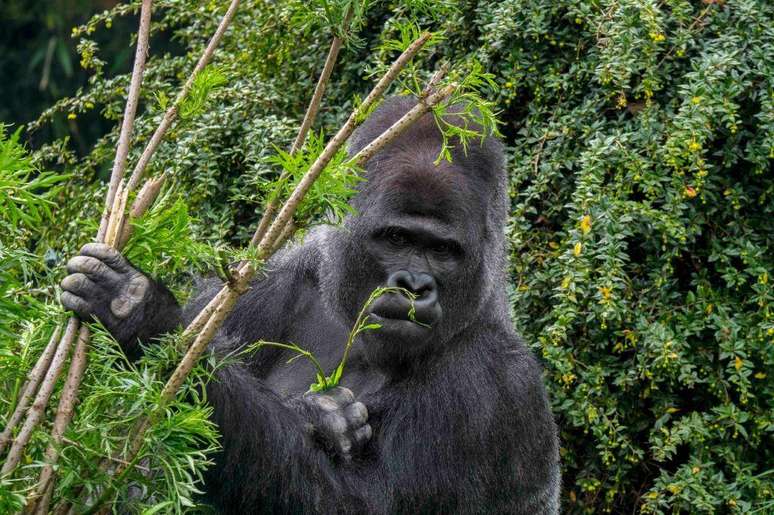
326,382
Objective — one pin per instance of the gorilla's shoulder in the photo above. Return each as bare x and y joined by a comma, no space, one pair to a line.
299,261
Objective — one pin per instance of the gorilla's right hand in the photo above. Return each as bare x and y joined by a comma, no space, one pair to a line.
104,285
336,422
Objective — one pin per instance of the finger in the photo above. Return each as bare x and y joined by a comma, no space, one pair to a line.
362,435
108,255
77,304
79,284
94,269
323,402
356,414
343,446
334,423
342,396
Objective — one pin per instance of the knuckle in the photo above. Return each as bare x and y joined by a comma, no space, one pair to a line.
335,423
357,413
325,403
363,434
138,286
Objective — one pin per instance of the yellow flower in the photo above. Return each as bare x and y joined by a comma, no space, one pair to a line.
657,37
689,192
566,282
585,224
738,363
763,278
71,116
88,105
695,470
694,146
605,292
760,375
577,249
696,100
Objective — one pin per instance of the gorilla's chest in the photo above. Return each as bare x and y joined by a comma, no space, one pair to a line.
313,329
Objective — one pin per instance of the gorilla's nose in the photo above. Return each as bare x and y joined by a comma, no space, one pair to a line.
420,284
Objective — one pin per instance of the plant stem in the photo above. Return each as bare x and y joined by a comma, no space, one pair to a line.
144,200
35,413
30,387
309,117
171,114
423,106
130,110
333,146
63,416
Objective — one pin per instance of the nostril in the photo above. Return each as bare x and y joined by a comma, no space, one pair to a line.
421,284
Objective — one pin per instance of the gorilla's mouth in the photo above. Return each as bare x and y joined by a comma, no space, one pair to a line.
393,311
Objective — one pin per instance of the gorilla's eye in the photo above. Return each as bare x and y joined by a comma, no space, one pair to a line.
397,237
443,249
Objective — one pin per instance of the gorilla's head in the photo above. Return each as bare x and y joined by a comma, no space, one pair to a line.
435,230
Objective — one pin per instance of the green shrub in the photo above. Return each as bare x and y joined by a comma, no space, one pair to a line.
641,137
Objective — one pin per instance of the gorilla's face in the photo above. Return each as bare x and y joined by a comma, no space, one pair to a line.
420,227
432,229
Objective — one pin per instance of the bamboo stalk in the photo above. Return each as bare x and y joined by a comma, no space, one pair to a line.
309,117
336,143
117,174
64,415
34,377
171,114
35,413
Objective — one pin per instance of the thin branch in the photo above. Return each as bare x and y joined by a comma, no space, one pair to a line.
309,117
284,236
34,378
405,121
127,124
35,413
171,115
63,416
314,104
144,200
333,146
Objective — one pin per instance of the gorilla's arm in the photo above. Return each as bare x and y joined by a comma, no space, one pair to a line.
276,452
270,459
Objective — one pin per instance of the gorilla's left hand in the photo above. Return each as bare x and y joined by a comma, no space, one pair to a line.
336,421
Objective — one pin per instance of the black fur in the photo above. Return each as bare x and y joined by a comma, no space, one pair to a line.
460,418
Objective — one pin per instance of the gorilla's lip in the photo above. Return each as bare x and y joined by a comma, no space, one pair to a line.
397,308
402,328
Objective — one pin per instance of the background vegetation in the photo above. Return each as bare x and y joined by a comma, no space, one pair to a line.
641,139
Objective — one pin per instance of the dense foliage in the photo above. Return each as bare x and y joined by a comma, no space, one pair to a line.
641,138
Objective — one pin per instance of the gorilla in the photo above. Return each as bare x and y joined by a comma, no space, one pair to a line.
442,412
